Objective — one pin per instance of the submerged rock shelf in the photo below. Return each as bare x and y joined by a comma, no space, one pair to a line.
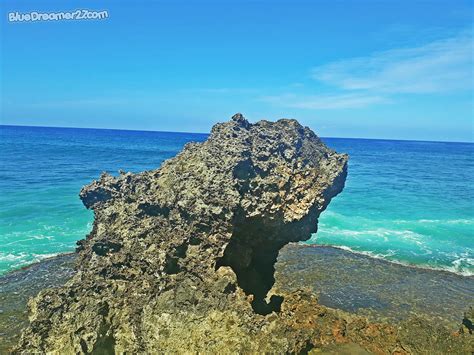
378,289
18,286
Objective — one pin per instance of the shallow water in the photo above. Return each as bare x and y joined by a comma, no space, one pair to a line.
410,202
18,286
375,288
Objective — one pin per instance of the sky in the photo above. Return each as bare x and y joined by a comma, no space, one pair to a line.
362,69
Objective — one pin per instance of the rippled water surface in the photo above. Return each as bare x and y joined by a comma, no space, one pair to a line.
42,172
409,202
405,201
381,290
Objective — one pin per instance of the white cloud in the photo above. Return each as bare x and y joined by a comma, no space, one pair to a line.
440,66
325,102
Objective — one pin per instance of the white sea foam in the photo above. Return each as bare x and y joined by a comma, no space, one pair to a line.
367,253
33,237
456,268
362,219
446,221
22,259
12,257
384,233
38,257
41,236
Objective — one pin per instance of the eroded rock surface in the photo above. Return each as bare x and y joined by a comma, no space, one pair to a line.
182,258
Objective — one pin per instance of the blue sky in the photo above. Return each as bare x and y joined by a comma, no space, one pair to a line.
373,69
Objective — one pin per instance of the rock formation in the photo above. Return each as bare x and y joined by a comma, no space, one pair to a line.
182,258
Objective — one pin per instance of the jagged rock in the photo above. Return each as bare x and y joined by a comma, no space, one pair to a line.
467,325
182,258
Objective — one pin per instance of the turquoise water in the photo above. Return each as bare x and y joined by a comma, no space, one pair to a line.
408,202
42,172
405,201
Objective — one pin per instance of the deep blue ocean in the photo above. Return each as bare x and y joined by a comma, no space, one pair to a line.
405,201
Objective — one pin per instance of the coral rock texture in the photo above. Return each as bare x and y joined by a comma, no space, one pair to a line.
180,254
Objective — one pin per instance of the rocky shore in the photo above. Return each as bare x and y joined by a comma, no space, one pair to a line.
361,285
183,258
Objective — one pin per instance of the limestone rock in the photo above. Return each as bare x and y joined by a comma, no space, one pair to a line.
179,253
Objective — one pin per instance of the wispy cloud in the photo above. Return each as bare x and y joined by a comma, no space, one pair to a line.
325,102
440,66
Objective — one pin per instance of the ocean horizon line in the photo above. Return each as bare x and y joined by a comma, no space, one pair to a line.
206,134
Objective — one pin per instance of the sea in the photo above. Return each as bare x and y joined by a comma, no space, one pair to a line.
408,202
